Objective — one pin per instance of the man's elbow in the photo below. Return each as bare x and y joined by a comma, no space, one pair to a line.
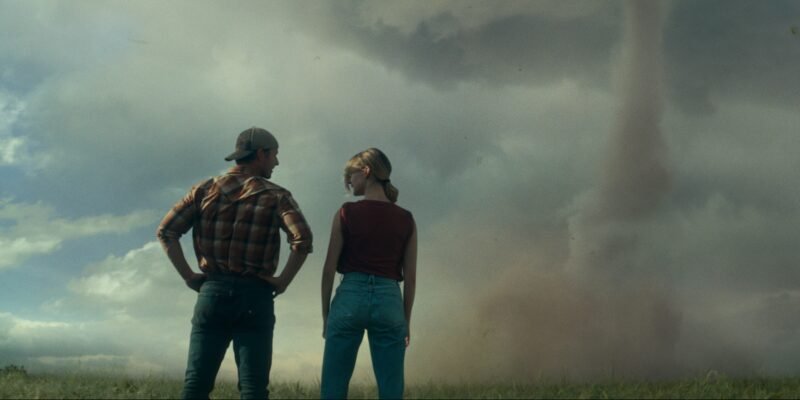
160,235
302,250
165,237
302,244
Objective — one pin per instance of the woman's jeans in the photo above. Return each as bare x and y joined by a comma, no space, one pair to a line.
229,309
371,303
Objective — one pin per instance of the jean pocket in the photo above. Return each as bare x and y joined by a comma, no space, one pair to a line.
209,309
345,311
389,313
260,311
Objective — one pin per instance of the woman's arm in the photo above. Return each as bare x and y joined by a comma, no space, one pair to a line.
329,270
410,279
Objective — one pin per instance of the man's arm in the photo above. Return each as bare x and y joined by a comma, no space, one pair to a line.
293,264
299,236
175,224
175,254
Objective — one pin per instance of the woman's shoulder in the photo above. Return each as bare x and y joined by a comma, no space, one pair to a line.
346,205
402,208
346,209
375,205
404,212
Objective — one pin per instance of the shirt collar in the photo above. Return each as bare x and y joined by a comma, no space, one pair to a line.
237,184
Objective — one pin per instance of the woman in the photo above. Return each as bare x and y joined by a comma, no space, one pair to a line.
374,245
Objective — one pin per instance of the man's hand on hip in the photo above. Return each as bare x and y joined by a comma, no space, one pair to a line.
279,284
195,280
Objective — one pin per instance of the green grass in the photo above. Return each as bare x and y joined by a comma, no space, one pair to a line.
16,383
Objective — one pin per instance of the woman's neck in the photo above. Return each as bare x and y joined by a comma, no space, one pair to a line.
374,191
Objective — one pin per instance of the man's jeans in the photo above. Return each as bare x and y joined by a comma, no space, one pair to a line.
371,303
238,309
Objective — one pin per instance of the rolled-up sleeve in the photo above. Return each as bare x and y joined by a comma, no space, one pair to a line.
179,219
298,233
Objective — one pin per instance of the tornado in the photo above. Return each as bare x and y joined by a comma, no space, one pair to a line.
637,325
597,316
635,179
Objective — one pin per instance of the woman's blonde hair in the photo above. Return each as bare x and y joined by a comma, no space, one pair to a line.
379,167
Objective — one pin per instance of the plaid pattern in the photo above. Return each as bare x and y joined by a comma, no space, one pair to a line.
235,219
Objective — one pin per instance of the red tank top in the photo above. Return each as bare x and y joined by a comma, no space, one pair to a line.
375,237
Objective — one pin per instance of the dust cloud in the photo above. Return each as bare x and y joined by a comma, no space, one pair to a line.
599,315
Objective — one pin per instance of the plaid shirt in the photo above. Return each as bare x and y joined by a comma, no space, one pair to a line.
236,219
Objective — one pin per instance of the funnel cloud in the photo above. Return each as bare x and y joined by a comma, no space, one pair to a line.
597,316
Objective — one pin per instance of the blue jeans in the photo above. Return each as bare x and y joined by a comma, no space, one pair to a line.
231,309
371,303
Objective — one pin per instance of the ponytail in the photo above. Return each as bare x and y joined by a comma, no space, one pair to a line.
390,191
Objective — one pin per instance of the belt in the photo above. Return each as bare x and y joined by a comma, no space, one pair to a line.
219,277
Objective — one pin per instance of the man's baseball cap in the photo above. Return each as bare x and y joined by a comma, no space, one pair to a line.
250,140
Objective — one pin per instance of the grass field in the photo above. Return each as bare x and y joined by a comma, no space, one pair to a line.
16,383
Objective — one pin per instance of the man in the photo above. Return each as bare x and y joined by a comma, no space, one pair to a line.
235,220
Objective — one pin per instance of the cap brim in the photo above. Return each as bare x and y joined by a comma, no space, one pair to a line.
238,154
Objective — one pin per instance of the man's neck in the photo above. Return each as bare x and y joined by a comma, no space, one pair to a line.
246,169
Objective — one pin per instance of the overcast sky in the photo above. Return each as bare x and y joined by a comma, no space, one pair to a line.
499,119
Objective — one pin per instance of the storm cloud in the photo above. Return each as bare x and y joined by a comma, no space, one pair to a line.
499,121
713,49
